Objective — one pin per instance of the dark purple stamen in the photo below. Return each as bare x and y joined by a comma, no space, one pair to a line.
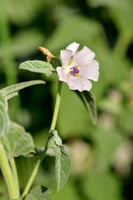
73,71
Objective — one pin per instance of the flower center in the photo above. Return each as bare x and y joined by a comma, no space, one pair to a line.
73,71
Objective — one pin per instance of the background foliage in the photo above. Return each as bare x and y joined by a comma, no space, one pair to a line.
101,154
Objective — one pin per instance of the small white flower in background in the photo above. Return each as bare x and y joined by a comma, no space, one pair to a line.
78,67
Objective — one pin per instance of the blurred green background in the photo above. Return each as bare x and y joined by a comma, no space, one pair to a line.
101,155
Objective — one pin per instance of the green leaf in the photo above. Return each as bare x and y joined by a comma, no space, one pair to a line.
9,96
38,66
62,160
39,193
16,87
89,102
17,142
4,119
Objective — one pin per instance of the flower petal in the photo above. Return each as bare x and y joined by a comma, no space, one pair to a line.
78,67
73,47
83,56
90,70
80,84
65,56
62,75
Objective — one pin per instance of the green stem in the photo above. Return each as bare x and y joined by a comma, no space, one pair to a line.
57,105
53,124
7,173
15,174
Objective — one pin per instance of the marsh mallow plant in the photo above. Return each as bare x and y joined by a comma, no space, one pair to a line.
76,68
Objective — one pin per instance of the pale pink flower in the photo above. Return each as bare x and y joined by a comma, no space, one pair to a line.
78,67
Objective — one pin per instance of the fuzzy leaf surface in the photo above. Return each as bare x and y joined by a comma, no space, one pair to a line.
89,102
38,66
4,119
17,142
39,193
62,160
16,87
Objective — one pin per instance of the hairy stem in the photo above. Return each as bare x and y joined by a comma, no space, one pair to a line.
7,173
53,124
15,175
57,105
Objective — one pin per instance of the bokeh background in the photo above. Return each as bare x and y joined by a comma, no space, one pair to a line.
101,154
